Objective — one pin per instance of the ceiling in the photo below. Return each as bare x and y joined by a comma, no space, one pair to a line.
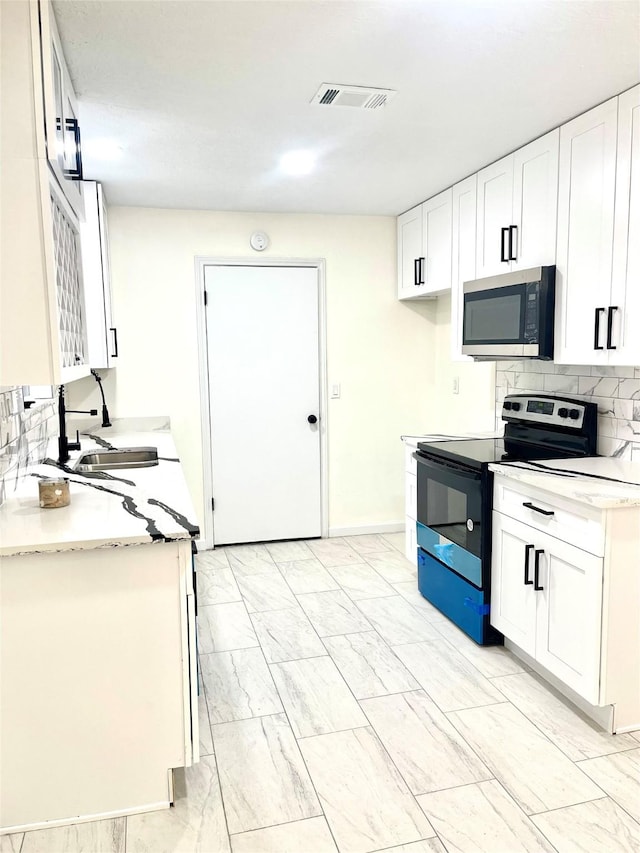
191,104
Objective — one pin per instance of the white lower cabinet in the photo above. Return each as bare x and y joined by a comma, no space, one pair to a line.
547,598
573,612
411,504
99,681
513,604
569,614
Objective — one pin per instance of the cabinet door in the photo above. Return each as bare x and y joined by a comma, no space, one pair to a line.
625,290
535,202
411,495
409,251
495,204
60,108
463,256
585,234
97,285
568,614
513,603
436,220
71,313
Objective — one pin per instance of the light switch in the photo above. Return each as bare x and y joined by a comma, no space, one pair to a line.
456,384
335,391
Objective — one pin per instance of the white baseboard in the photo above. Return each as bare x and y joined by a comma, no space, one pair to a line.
388,527
66,821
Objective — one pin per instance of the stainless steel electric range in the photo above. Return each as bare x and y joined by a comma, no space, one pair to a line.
455,496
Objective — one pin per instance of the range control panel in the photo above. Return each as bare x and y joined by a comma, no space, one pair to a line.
555,411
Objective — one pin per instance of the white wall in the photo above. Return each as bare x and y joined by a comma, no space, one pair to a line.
472,408
380,351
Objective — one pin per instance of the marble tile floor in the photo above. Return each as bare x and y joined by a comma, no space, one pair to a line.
341,713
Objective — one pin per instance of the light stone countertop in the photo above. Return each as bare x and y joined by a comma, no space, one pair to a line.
124,507
577,485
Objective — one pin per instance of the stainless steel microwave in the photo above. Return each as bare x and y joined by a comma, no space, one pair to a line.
510,315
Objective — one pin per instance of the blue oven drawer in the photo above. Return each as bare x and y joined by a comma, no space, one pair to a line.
459,559
452,595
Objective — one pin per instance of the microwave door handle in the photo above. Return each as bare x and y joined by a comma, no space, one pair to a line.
503,259
596,329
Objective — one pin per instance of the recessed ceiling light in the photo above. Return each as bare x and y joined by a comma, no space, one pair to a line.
102,149
298,162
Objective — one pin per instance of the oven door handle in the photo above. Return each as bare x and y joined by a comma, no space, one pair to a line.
442,466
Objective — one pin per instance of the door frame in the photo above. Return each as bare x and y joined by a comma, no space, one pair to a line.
207,540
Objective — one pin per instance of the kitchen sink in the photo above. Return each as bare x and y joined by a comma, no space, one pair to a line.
125,457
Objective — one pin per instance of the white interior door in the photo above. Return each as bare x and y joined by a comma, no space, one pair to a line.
263,352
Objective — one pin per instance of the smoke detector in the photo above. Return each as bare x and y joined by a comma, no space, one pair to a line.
362,97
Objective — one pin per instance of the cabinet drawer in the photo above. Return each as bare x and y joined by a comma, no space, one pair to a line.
410,464
573,523
411,495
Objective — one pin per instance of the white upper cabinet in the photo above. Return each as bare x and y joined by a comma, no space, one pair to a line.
424,248
61,125
586,200
535,203
625,288
102,335
598,247
42,327
436,221
410,258
463,255
495,204
517,209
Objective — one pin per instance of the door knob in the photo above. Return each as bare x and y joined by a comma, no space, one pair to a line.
312,419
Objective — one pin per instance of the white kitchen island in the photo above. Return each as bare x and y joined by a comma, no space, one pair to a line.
98,681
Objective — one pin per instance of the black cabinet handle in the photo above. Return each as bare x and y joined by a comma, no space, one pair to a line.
596,330
536,570
503,258
535,508
610,311
115,341
72,125
527,551
421,268
513,229
312,419
416,274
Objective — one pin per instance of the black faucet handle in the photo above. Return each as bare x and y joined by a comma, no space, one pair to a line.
74,445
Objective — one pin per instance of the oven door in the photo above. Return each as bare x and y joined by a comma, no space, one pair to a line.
450,515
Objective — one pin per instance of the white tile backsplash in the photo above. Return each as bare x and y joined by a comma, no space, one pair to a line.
616,390
24,435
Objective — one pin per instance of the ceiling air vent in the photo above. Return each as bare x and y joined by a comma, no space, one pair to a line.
362,97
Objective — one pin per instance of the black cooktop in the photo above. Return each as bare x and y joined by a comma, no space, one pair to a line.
479,452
